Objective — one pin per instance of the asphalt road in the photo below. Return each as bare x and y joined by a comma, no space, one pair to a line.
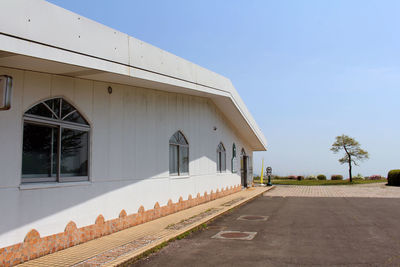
299,232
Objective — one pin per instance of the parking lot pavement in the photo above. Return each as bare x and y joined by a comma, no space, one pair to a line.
378,190
294,231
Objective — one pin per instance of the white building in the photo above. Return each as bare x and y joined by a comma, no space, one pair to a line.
100,123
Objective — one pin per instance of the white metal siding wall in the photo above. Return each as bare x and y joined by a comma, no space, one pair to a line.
129,153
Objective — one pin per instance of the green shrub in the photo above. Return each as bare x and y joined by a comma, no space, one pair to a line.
359,177
311,177
299,178
321,177
394,177
375,177
337,177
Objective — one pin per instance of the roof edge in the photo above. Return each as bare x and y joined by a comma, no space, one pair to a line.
96,46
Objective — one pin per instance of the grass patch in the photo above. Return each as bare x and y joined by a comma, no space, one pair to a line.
323,182
187,233
144,254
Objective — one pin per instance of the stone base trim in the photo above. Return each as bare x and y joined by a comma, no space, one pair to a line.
35,246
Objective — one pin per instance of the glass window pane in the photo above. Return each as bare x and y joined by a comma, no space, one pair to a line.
183,160
218,161
182,139
39,158
74,153
75,117
66,108
54,104
220,147
178,139
173,139
40,110
173,159
223,161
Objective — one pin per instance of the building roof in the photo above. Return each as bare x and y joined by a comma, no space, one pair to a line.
39,36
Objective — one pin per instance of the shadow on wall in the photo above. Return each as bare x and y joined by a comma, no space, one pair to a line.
36,204
34,246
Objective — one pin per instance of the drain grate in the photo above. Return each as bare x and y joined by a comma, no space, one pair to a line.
252,218
235,235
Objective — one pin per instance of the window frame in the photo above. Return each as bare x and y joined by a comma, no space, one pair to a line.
179,145
221,150
58,124
234,159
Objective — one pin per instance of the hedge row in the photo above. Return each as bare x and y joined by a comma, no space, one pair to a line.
394,177
337,177
323,177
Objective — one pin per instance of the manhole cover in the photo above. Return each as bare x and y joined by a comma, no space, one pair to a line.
235,235
253,218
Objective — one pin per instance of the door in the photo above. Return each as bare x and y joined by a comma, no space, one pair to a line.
243,170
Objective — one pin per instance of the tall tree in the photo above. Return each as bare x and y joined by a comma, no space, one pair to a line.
354,153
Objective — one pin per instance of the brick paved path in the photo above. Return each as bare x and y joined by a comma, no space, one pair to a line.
365,190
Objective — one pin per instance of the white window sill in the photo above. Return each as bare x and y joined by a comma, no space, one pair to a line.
179,176
33,186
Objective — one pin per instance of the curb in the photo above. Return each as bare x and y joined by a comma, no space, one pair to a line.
133,256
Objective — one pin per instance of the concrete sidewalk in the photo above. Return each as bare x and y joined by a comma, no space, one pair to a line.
120,247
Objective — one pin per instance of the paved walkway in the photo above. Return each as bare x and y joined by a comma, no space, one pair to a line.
378,190
122,246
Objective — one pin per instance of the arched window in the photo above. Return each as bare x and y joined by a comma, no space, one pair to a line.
178,154
234,159
221,158
55,143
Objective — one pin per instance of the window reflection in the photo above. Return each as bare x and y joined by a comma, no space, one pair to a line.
178,154
74,153
54,148
39,151
221,158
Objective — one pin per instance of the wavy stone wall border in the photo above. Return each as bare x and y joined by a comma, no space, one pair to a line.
35,246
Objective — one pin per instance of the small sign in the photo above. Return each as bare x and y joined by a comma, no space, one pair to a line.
5,92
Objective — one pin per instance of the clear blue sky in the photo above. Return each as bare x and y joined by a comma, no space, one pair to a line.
307,70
